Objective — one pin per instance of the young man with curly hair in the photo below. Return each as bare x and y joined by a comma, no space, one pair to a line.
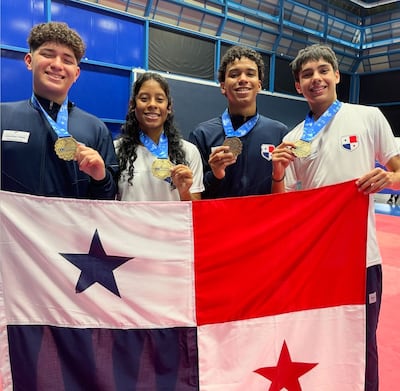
49,146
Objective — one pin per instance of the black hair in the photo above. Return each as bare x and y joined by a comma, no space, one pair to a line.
58,32
237,52
313,53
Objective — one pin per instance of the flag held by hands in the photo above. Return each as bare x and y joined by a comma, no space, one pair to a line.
258,293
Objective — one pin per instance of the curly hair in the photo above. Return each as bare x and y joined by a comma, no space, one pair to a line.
313,53
130,130
237,52
57,32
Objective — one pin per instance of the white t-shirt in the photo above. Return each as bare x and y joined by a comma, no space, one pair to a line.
345,149
146,187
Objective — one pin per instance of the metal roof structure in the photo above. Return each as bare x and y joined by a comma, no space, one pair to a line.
364,34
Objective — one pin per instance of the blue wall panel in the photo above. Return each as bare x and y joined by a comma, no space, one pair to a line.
102,91
195,101
109,38
17,18
109,89
16,80
115,44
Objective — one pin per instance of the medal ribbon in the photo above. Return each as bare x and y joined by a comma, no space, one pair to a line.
160,150
61,125
312,128
242,130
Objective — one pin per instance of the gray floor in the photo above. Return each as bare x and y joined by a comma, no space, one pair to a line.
381,198
382,206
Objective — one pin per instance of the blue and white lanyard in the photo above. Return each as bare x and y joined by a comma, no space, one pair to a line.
60,126
312,128
242,130
160,150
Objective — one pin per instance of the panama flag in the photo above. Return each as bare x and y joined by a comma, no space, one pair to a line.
262,293
266,151
350,142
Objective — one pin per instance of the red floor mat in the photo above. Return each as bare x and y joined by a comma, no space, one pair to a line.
388,228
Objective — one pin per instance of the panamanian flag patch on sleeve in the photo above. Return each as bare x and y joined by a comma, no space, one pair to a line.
350,142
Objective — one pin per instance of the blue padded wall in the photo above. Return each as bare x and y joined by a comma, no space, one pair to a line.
17,18
110,38
115,44
102,91
16,80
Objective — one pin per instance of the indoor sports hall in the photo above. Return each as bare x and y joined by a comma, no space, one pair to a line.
184,40
388,235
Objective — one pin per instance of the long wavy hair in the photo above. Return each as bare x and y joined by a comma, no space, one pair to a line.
129,139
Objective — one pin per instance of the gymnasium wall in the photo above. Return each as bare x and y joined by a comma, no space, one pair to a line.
120,45
117,46
195,101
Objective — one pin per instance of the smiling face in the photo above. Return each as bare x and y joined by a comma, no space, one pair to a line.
54,68
317,83
151,108
241,86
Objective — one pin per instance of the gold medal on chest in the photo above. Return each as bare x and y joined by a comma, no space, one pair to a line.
65,147
302,148
161,168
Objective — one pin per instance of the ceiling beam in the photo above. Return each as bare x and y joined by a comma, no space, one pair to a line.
374,4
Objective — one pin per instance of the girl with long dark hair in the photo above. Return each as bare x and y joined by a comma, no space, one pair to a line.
156,163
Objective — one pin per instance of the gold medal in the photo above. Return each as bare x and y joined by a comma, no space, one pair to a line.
302,148
161,168
234,144
65,147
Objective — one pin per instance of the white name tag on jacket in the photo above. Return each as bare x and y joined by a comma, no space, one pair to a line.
18,136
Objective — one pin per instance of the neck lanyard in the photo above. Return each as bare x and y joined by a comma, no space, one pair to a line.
60,126
242,130
160,150
312,128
